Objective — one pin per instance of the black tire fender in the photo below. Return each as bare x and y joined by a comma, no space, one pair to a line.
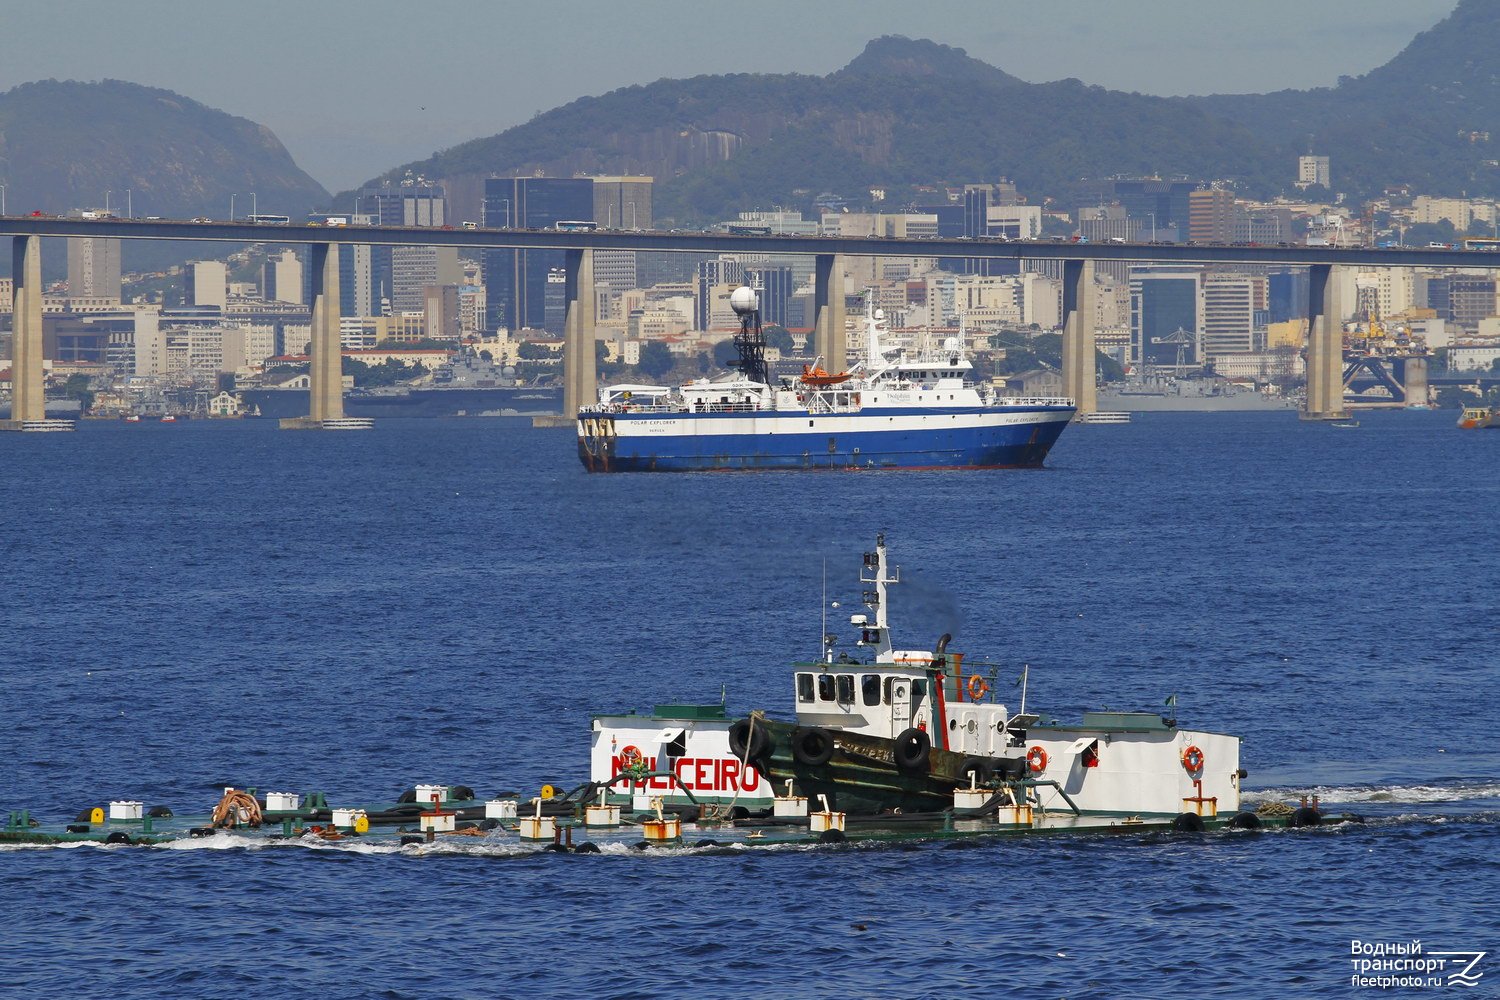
1305,816
913,750
748,741
813,746
1190,822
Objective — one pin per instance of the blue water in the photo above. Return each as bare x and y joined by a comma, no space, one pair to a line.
206,604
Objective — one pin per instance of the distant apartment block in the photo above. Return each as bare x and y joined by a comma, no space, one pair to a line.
94,268
1313,170
412,202
622,202
1211,216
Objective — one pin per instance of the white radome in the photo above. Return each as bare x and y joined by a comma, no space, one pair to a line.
743,300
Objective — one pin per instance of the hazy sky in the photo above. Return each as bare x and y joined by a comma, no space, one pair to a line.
355,87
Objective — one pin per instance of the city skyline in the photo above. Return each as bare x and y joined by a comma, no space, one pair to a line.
347,107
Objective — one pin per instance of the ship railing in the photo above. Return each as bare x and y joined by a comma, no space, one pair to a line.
1034,401
699,406
631,408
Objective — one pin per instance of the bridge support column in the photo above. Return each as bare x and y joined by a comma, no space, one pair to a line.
325,397
28,407
580,358
1079,364
829,338
1325,346
1414,381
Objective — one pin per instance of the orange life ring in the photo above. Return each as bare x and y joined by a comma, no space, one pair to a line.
1192,760
978,688
1036,759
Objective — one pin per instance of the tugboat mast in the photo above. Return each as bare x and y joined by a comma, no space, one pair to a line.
877,570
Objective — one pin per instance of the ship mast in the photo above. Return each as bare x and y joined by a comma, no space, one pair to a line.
750,342
877,570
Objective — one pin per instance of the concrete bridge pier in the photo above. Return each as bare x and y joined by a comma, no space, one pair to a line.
1079,364
580,357
325,397
1413,375
1325,346
28,407
829,337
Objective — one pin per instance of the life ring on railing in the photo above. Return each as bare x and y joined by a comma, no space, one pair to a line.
1192,760
978,688
1036,759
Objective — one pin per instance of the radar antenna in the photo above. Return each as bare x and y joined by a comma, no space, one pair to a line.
750,342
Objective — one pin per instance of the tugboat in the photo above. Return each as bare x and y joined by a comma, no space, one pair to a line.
1477,418
901,732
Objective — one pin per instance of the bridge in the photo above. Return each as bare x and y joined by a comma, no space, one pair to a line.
1325,389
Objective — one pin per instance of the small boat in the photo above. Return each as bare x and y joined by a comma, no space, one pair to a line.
814,375
168,418
1344,423
131,418
1477,418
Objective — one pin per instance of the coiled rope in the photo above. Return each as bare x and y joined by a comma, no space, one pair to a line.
237,808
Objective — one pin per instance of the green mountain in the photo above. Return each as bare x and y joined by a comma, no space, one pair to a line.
65,144
904,112
1429,118
908,112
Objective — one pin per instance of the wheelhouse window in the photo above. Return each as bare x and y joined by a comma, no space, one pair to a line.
869,688
804,687
846,689
825,687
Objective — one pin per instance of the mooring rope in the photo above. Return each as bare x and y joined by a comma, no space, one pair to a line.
236,808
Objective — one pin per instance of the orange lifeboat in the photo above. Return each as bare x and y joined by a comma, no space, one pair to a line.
817,377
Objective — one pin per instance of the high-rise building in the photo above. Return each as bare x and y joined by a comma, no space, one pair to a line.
622,202
1163,300
1312,170
1286,294
1228,314
281,278
412,202
710,274
93,268
1162,206
515,280
1210,216
1471,298
775,287
414,269
210,283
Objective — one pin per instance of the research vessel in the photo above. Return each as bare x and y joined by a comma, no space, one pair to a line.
900,408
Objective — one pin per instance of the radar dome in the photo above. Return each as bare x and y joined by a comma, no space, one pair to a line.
743,300
950,344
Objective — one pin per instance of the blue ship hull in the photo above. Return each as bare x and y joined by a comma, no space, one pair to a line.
607,444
